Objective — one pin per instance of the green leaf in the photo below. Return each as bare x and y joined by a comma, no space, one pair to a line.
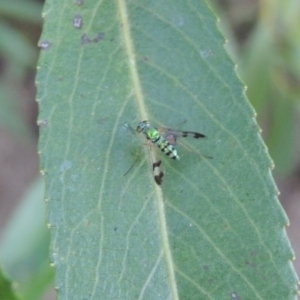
15,47
6,289
282,135
271,68
215,230
29,11
24,246
10,117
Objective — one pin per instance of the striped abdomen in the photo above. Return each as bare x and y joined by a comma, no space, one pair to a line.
166,147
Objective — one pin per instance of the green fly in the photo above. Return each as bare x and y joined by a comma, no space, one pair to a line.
165,139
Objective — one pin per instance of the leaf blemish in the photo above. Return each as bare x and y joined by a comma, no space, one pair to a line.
235,296
79,2
85,39
77,22
99,37
42,123
66,165
206,53
44,45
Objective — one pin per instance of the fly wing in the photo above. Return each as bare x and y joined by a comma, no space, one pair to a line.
158,174
171,135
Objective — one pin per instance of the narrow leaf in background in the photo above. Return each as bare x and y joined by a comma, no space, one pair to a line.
6,290
215,229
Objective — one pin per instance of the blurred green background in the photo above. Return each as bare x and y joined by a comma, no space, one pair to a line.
263,39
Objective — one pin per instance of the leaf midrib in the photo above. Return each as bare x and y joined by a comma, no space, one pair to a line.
137,91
